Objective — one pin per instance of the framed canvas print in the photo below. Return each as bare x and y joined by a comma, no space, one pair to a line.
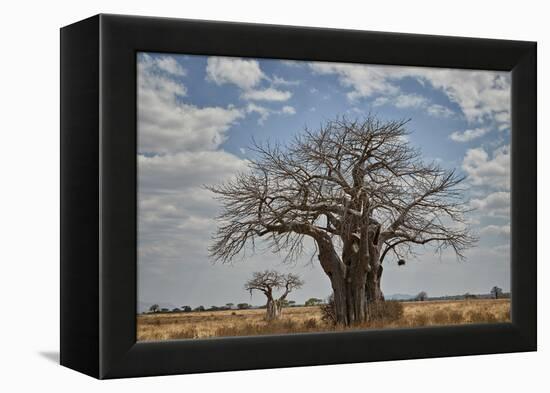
239,196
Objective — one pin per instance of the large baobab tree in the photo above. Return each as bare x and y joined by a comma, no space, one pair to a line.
359,191
269,282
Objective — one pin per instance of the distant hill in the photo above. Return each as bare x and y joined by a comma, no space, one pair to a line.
399,296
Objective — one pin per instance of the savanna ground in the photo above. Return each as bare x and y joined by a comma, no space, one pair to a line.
166,326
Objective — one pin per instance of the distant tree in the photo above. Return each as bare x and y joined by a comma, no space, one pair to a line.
199,308
496,292
288,303
214,308
186,308
154,308
468,295
313,301
229,305
270,281
422,296
176,309
243,306
164,309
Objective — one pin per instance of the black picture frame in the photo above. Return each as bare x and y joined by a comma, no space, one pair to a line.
98,195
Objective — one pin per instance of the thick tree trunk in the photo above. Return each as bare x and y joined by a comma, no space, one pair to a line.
347,286
273,310
349,300
373,289
348,283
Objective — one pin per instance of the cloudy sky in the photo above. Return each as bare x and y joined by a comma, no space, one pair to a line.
197,115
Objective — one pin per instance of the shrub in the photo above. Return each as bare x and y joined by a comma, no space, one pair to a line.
440,317
492,319
481,316
420,320
328,312
504,316
387,311
288,324
191,332
311,323
455,317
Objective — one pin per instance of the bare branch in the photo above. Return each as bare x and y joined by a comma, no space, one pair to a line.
357,182
269,281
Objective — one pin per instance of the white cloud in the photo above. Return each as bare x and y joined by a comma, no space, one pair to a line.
468,135
502,250
496,230
410,101
167,125
503,120
483,170
379,101
181,127
241,72
150,80
175,212
171,66
494,204
293,63
264,112
481,95
288,110
187,169
276,80
364,81
503,116
247,75
437,110
416,101
269,94
167,64
175,226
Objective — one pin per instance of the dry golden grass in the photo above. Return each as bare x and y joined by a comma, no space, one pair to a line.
308,319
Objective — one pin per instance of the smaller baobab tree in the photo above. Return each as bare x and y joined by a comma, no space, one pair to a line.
496,292
270,281
154,308
422,296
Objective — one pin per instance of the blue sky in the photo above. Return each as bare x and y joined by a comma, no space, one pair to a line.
197,115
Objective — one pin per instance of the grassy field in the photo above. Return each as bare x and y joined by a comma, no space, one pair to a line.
167,326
